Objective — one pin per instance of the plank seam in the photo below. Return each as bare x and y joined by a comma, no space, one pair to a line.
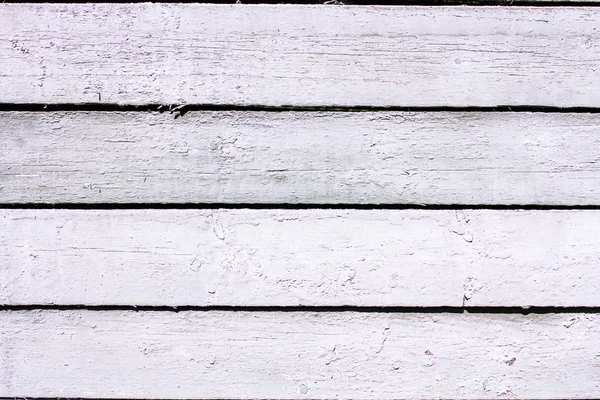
412,3
287,206
316,309
143,398
180,110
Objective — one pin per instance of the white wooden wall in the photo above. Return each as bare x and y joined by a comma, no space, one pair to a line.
252,201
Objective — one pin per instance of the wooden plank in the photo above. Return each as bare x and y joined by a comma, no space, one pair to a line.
300,257
235,257
300,157
299,55
240,355
533,258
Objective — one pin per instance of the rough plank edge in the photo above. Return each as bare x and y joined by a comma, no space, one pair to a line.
353,3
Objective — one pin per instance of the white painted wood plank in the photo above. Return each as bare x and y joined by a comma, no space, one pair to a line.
240,355
300,257
529,258
299,55
235,257
300,157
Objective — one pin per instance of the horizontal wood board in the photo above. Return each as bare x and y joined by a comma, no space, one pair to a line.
301,55
300,257
224,355
300,157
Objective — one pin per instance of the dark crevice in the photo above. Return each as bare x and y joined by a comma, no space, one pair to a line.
203,398
529,3
181,109
285,206
319,309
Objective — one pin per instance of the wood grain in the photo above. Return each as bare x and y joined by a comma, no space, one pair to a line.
240,355
299,55
300,157
300,257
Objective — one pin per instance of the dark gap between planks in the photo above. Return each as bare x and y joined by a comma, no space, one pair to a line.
286,206
182,109
513,3
319,309
107,398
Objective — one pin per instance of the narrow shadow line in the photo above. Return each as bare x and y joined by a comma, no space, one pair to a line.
181,109
512,3
285,206
319,309
203,398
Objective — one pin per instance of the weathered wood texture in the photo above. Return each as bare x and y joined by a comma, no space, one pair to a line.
300,257
299,55
224,355
300,157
